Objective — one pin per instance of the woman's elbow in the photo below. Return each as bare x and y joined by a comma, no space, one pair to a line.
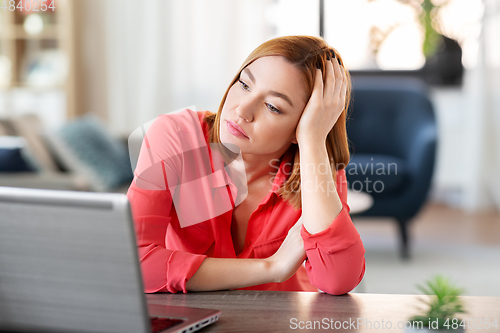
345,274
344,284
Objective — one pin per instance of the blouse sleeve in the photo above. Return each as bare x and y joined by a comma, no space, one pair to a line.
335,256
151,203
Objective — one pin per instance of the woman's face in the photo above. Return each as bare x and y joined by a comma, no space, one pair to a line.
265,104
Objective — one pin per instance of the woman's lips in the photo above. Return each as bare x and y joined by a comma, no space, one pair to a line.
236,130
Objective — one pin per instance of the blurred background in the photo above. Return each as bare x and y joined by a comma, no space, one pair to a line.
77,77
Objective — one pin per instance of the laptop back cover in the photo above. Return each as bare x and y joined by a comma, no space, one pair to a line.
68,262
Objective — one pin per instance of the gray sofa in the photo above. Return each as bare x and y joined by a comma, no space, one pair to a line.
79,156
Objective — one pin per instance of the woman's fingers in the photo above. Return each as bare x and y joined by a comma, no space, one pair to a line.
318,86
290,254
329,80
339,78
326,102
340,90
343,92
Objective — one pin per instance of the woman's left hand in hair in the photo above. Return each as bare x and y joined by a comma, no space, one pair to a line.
325,105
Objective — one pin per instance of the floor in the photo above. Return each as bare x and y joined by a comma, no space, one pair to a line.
442,223
444,240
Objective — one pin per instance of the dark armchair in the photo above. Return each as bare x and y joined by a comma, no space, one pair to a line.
393,135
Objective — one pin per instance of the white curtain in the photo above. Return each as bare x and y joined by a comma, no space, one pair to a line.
481,153
165,55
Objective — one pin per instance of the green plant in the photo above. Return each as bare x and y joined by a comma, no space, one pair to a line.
429,22
443,304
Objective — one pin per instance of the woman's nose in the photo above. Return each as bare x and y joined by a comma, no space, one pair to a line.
245,110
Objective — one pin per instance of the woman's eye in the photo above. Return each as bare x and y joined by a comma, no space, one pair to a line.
244,85
273,109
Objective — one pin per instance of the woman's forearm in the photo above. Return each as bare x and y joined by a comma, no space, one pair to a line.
222,274
320,200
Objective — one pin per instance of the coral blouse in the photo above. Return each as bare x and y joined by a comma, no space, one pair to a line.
171,252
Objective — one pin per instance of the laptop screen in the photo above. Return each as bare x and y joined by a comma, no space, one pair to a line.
68,262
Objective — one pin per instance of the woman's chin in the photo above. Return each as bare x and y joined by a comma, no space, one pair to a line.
231,146
230,142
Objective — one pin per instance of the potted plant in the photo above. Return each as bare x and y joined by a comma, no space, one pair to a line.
443,305
443,55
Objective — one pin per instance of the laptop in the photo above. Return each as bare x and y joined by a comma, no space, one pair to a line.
69,263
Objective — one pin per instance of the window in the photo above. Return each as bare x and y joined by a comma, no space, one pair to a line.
384,34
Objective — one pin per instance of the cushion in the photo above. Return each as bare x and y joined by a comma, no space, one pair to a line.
373,173
83,146
14,157
30,127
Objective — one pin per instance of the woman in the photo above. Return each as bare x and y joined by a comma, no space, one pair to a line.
286,111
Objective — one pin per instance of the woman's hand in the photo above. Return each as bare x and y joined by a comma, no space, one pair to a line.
291,254
325,105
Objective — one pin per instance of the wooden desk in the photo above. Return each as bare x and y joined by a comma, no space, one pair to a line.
272,311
